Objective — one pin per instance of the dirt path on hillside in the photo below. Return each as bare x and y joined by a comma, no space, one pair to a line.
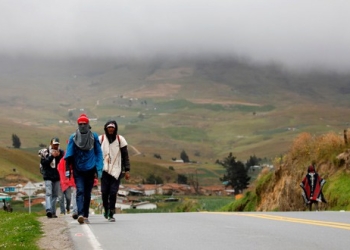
135,149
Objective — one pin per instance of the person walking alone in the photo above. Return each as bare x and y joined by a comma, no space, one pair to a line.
115,155
50,157
85,155
312,185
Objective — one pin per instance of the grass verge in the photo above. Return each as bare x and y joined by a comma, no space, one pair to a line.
19,230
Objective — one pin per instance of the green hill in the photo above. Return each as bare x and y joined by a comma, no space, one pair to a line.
18,166
205,106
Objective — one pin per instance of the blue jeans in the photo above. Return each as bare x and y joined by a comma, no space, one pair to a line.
65,197
84,181
52,189
74,200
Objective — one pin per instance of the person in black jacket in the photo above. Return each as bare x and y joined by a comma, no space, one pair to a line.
50,157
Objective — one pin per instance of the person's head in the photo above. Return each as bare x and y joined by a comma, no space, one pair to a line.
111,128
83,124
55,143
311,169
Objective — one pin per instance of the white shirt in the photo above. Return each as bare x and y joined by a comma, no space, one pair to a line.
112,159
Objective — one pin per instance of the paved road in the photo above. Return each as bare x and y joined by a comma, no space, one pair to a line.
258,231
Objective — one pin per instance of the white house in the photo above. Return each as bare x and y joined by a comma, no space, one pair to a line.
144,205
6,197
122,205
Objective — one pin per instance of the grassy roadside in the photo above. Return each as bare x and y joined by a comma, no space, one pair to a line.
19,230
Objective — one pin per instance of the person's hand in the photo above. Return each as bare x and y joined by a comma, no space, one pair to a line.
55,153
68,174
127,175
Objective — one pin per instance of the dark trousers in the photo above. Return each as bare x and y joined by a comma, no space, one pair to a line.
84,181
109,189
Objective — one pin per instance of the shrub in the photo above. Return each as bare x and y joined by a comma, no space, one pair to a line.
307,148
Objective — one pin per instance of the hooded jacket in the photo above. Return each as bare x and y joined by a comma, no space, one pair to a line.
115,152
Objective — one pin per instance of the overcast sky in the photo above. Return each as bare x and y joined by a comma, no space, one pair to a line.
293,32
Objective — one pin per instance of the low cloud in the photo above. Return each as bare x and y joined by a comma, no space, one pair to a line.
296,33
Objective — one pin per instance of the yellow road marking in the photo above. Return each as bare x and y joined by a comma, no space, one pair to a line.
345,226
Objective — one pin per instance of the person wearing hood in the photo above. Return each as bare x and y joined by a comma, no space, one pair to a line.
85,156
312,185
50,157
116,165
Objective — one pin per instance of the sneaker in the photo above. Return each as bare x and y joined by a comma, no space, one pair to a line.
54,216
75,216
81,219
86,220
68,212
48,214
110,216
105,214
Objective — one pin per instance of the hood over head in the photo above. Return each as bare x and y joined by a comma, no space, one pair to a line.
112,137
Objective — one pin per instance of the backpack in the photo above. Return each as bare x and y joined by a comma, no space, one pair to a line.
42,154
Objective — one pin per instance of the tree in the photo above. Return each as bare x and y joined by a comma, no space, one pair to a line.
236,174
181,179
184,156
151,179
16,142
253,161
157,156
193,180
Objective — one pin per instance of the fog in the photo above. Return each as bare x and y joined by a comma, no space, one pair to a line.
295,33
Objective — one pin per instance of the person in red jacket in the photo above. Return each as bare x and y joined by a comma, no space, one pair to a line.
68,189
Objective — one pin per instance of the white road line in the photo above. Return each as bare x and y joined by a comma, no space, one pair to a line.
91,238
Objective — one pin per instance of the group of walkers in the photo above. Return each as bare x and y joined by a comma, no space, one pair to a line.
89,157
71,175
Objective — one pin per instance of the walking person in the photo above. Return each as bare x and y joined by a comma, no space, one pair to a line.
50,157
115,155
65,199
85,156
67,185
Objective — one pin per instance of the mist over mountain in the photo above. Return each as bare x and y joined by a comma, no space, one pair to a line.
246,78
299,34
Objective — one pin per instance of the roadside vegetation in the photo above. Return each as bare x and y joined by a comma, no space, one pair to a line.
278,189
19,230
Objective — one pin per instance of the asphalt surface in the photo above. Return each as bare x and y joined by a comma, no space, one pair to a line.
253,230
